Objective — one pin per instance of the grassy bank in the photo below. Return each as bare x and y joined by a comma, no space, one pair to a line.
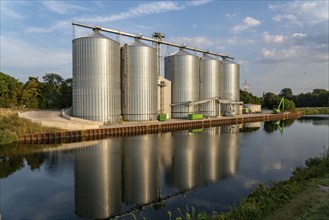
313,110
13,127
304,196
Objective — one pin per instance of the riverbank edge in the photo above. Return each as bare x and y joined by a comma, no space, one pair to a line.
304,195
313,110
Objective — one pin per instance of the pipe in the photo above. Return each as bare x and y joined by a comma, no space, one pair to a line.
150,39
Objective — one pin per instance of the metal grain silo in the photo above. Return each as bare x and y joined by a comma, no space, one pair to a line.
211,84
231,87
182,68
96,78
139,82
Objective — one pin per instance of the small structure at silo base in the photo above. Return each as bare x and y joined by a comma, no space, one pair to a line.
253,108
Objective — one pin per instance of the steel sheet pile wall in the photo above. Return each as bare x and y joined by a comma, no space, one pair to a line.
211,84
182,68
231,86
139,82
96,78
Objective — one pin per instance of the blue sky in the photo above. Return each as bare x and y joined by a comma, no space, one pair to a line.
278,44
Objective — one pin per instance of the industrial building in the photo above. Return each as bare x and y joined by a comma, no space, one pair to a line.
113,82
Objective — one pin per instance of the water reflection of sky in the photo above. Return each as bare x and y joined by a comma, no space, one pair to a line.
209,170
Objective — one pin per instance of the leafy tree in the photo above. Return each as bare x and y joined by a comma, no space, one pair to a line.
66,93
10,90
286,93
51,90
270,100
31,93
249,98
289,105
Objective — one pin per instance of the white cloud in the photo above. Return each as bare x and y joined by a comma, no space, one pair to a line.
140,10
19,53
61,25
273,38
297,11
198,2
299,35
247,23
61,7
199,42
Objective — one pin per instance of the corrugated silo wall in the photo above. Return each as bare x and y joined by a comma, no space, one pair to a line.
182,68
210,80
231,86
96,78
139,82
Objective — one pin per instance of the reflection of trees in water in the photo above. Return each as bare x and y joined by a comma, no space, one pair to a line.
13,156
271,126
35,160
315,120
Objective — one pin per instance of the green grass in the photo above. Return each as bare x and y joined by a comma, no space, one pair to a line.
271,202
304,196
313,110
13,127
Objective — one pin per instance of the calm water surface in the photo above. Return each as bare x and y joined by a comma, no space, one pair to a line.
209,170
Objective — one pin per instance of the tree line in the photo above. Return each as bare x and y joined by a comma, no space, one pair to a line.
316,98
53,92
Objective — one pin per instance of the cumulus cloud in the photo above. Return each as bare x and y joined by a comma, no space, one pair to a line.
247,23
273,38
297,12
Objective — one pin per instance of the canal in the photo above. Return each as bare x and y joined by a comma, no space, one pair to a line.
208,170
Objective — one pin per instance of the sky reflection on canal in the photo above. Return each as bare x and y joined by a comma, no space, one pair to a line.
209,170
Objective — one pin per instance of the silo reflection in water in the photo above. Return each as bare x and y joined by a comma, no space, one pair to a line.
229,142
141,169
97,172
211,153
186,170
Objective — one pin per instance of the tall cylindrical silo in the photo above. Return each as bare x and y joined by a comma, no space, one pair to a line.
182,68
96,78
139,82
211,84
231,87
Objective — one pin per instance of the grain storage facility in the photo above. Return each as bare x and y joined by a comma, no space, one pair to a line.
139,82
96,78
211,84
231,87
182,69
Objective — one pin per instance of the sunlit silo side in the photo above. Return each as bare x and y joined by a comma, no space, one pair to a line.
231,86
139,82
96,78
211,84
97,180
182,69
